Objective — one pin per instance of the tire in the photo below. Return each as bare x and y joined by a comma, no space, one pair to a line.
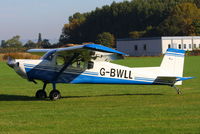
54,95
41,94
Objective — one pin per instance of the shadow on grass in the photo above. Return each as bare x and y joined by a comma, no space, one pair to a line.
104,95
6,97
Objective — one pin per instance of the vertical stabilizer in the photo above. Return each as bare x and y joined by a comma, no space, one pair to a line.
173,63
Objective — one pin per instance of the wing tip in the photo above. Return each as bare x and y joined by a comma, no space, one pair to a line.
103,48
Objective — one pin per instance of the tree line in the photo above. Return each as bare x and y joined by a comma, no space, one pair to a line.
15,42
134,19
127,19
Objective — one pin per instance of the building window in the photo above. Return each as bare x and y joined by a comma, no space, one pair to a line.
184,46
169,46
195,45
190,46
136,47
145,47
179,46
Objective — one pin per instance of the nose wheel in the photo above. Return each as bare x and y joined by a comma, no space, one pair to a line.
41,94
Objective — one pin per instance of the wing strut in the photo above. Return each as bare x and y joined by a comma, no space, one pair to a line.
65,66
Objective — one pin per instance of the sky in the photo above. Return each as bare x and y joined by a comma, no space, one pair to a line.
27,18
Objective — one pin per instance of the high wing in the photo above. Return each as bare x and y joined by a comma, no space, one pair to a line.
103,52
39,52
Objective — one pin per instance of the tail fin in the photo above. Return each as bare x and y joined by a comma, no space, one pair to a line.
173,62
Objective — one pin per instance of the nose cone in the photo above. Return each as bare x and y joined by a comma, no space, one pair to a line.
19,69
12,63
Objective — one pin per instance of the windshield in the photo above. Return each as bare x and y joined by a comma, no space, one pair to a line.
49,55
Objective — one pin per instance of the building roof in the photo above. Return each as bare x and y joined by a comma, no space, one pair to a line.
180,37
159,38
132,39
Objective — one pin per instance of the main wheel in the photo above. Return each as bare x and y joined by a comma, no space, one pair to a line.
41,94
54,95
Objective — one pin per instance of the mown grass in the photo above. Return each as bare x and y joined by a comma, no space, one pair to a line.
102,109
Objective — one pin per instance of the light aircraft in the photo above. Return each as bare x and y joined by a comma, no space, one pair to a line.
90,63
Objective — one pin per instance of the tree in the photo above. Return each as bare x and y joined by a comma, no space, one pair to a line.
30,44
106,39
182,21
197,27
13,42
122,18
197,3
45,43
136,34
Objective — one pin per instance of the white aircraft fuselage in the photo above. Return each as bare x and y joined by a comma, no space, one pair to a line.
90,64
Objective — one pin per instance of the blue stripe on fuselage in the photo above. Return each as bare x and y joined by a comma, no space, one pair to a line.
73,77
105,80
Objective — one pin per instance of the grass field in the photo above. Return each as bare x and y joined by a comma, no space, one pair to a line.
102,109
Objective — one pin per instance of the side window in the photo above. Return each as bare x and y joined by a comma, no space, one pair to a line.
78,64
60,60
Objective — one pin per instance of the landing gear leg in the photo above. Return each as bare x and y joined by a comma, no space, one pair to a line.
41,93
177,89
54,94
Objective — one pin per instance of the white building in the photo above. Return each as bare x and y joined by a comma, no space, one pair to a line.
157,45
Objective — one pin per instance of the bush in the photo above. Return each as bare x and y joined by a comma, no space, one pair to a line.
193,52
13,50
19,56
106,39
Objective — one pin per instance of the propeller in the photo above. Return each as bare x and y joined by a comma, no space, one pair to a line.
11,62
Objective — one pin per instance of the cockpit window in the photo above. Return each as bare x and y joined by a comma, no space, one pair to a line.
49,56
78,64
60,60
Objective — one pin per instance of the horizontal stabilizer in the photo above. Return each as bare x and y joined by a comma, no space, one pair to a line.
184,78
165,80
170,80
